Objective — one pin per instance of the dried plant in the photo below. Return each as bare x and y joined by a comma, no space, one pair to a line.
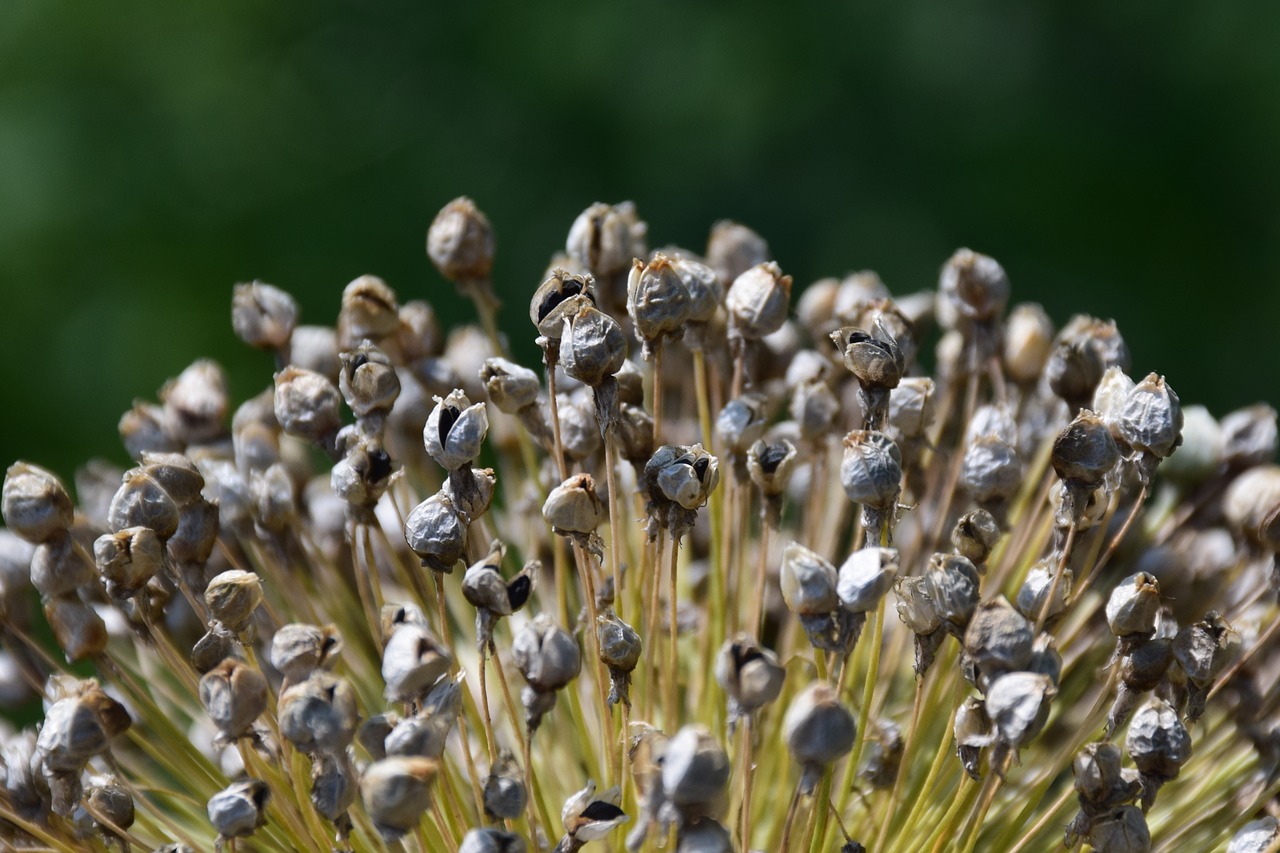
682,574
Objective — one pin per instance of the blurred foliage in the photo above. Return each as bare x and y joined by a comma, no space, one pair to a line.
1118,159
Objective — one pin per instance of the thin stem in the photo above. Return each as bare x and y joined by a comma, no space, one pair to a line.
1057,578
673,660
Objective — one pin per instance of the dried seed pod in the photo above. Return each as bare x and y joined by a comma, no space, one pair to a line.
818,730
573,507
455,431
396,792
685,476
110,803
875,363
548,657
703,835
142,502
953,586
333,788
232,598
885,745
419,335
705,289
758,301
271,493
36,506
866,577
369,311
78,727
412,662
1109,398
912,406
1202,451
975,285
975,536
142,429
694,774
586,817
1099,778
991,472
491,841
263,315
973,731
437,533
998,640
605,238
460,242
510,386
733,248
750,676
372,733
319,715
1257,836
1203,651
395,615
177,475
809,588
1151,418
1018,704
1036,588
239,809
234,695
368,381
592,346
741,423
57,570
1250,436
620,649
1159,745
1028,340
470,492
1084,452
771,465
871,469
211,649
307,405
657,301
195,403
297,649
77,628
1133,605
1251,505
1122,831
814,408
559,298
505,794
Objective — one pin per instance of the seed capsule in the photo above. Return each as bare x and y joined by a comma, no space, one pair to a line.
695,774
78,727
749,674
573,506
510,386
57,570
110,803
548,657
262,315
412,662
866,577
592,346
1028,339
369,312
297,650
741,423
973,731
771,465
1151,418
505,795
1122,831
871,470
333,787
992,471
396,792
975,285
307,405
368,381
1133,605
77,628
814,408
605,238
491,841
460,242
1018,704
232,598
587,818
1084,452
657,300
733,248
620,649
239,809
455,431
234,694
559,298
818,730
682,475
808,582
1203,651
911,406
1202,450
1252,505
319,715
975,535
36,506
758,301
998,639
437,533
1257,836
874,363
1159,745
1250,436
195,403
1035,591
704,286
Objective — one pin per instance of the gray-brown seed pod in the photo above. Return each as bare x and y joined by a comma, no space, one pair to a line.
1250,436
369,311
992,471
368,381
36,505
271,496
814,408
263,315
78,727
703,835
298,649
412,662
706,294
195,403
808,582
1035,591
695,774
141,429
510,386
912,406
1159,745
592,346
973,731
315,348
874,363
741,423
238,810
232,597
758,301
333,789
657,301
733,248
771,464
560,296
110,804
455,430
819,731
234,695
1133,605
57,569
1122,831
397,791
750,676
865,577
77,628
1151,417
975,536
573,507
437,533
1203,651
975,285
606,238
586,817
998,640
1251,505
320,714
620,650
460,242
308,405
1018,704
871,469
142,501
1257,836
549,658
1084,452
491,841
505,794
1028,340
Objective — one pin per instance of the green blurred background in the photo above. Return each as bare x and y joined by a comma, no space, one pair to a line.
1119,159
